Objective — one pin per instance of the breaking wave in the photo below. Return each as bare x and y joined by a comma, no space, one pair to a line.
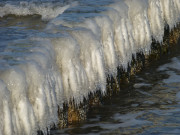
47,10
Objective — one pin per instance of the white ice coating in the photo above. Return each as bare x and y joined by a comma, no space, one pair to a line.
156,20
75,79
74,57
140,24
92,60
123,39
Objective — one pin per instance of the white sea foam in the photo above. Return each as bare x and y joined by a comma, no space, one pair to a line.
73,57
46,10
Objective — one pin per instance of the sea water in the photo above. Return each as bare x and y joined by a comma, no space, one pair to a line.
53,51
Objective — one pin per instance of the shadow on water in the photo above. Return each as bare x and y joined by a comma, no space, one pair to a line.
149,104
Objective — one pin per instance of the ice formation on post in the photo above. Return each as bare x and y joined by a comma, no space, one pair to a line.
73,55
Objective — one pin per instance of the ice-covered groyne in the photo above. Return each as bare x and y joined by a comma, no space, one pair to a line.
73,55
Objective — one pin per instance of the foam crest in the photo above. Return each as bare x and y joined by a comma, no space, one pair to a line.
46,10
